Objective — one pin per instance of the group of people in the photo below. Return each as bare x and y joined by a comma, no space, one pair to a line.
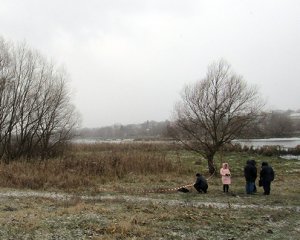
250,173
265,178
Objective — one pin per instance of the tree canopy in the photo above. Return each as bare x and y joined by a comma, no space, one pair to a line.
36,113
214,110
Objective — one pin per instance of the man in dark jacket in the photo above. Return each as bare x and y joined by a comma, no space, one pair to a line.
250,173
201,183
253,162
266,177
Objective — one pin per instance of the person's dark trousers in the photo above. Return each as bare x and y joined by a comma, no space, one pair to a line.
249,187
199,189
225,187
267,187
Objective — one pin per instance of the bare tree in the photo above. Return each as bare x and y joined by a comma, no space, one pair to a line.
214,110
36,113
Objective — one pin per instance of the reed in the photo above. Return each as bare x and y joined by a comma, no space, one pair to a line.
86,165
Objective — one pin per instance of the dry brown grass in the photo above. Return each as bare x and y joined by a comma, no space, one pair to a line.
135,215
85,166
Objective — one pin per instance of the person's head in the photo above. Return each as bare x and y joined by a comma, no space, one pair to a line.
225,165
264,164
253,162
198,174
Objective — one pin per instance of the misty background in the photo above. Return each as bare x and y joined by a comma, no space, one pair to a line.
128,60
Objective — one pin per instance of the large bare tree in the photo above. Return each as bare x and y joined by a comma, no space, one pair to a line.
214,110
36,113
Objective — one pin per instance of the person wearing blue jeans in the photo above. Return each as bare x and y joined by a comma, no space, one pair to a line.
249,187
250,173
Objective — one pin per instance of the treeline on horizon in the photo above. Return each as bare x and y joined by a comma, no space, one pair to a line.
273,124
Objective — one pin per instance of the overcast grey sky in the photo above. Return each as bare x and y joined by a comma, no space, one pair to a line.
129,59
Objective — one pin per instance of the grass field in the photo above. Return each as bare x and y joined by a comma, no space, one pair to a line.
109,192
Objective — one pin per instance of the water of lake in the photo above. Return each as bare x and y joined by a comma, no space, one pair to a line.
281,142
256,143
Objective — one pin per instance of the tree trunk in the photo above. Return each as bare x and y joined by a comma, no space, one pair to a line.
211,165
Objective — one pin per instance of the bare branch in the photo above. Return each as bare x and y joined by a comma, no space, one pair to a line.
214,110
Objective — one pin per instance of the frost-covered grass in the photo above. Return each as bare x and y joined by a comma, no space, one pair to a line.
128,207
144,218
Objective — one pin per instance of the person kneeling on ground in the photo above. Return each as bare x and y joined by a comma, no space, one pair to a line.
201,183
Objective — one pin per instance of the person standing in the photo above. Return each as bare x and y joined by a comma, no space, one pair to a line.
250,173
266,177
201,183
226,176
253,162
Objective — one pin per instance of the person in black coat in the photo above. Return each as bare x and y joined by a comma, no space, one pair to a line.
253,162
200,184
266,177
250,173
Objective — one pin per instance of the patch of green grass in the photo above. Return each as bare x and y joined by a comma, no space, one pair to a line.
49,219
147,214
